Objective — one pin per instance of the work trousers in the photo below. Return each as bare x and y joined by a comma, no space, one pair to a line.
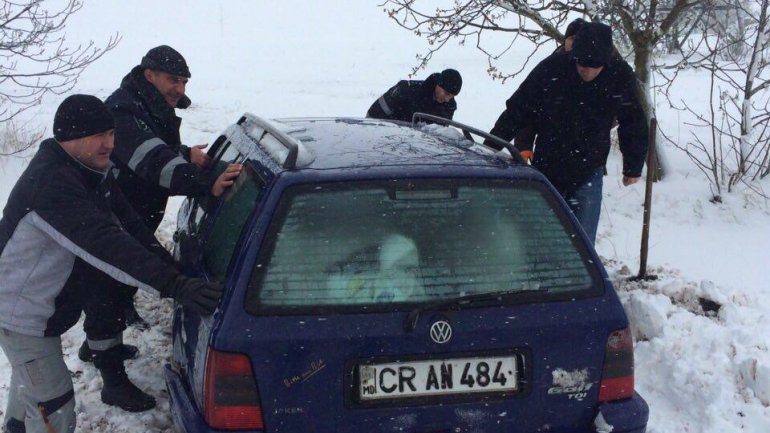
41,393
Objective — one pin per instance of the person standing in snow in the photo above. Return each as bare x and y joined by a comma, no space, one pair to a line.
570,100
152,164
65,216
434,95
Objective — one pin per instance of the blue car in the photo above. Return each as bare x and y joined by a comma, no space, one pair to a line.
390,277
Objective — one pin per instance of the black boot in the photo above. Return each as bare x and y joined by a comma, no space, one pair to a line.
118,389
134,319
124,352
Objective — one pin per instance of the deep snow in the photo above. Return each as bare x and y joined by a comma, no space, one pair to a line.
700,370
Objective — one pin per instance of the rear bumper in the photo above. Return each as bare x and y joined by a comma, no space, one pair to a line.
187,418
626,416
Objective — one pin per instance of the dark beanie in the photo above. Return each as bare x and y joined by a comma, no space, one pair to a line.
166,59
593,45
573,27
451,81
80,116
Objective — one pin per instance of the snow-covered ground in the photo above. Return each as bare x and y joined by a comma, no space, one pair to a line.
702,367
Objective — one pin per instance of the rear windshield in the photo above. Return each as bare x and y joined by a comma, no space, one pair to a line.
410,242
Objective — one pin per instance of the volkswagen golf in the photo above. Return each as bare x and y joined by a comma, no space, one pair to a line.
390,277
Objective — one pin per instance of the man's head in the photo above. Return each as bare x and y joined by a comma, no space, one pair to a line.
448,86
569,34
84,127
167,70
592,49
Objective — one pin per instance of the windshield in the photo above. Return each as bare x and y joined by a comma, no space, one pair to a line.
417,241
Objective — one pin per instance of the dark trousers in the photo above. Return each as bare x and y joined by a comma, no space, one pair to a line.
105,311
586,203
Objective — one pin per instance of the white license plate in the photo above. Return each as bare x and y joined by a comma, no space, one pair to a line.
437,377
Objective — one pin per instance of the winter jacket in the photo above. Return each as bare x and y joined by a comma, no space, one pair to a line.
61,219
404,99
152,162
572,119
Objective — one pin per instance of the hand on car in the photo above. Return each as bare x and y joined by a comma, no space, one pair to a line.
196,294
199,157
628,180
527,155
226,179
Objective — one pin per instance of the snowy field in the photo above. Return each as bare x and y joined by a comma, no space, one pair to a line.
702,328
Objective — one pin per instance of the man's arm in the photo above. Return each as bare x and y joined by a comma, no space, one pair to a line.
153,160
65,212
520,110
134,225
390,104
633,132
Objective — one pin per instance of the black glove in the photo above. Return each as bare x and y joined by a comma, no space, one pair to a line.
196,294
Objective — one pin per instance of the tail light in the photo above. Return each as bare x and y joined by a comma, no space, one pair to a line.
618,374
230,397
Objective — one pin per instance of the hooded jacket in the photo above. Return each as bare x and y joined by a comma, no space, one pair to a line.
572,119
152,162
407,97
61,219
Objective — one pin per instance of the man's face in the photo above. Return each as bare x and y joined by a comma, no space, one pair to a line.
588,73
92,151
169,85
568,43
441,95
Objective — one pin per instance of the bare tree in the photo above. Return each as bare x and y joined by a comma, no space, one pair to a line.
730,139
35,59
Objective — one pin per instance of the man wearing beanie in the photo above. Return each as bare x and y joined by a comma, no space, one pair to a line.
434,95
570,101
152,165
65,220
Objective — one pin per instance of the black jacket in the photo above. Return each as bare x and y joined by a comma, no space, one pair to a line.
572,119
61,221
152,161
404,99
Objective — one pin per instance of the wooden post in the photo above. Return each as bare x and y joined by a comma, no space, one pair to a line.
651,171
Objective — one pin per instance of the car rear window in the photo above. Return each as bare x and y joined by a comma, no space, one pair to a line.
410,242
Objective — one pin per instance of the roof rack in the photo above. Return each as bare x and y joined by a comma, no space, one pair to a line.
467,130
291,144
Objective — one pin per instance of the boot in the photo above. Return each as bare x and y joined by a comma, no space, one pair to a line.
118,389
124,352
134,319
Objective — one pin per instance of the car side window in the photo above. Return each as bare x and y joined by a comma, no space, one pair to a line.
228,154
229,220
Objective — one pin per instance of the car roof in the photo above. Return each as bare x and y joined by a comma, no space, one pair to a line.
337,143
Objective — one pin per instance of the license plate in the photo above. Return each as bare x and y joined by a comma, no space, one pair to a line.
437,377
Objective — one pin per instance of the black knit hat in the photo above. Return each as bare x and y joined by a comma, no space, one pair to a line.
166,59
80,116
593,45
573,27
451,81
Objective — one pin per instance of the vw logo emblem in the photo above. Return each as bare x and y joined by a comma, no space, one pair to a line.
441,332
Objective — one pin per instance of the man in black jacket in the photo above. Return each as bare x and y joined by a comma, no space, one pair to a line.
65,217
569,101
152,164
435,95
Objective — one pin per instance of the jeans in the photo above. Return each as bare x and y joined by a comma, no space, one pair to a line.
586,203
40,384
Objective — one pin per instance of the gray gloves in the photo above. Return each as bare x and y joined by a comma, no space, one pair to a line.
196,294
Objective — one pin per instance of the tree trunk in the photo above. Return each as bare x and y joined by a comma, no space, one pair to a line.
642,57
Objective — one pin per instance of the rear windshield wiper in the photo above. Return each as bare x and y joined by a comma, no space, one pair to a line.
411,319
